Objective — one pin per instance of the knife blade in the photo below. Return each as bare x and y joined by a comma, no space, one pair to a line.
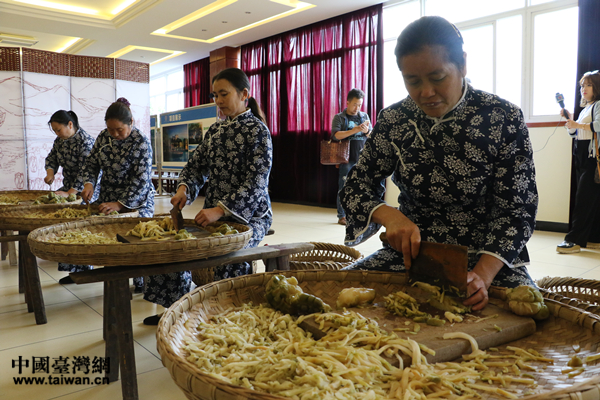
439,264
177,218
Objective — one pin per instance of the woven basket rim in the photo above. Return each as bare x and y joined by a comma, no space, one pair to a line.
137,253
211,290
11,218
35,193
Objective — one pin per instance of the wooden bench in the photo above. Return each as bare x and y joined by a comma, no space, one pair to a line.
118,330
29,277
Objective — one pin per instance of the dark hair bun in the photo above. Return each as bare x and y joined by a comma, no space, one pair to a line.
124,101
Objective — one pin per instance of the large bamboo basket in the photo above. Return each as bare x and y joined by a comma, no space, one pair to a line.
26,197
325,256
555,337
587,290
19,219
140,253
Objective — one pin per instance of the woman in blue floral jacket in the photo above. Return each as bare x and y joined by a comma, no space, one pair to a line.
70,150
462,160
234,160
124,156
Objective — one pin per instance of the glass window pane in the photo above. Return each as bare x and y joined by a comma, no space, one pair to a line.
509,58
175,81
479,45
396,18
157,104
174,102
536,2
393,84
158,86
552,74
462,10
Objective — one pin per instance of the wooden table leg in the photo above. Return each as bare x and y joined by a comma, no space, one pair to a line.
110,331
23,280
122,303
3,247
21,267
280,263
106,301
12,254
33,287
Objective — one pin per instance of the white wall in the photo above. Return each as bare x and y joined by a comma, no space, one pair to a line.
552,158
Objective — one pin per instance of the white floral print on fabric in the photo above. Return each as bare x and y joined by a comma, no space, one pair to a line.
126,167
467,178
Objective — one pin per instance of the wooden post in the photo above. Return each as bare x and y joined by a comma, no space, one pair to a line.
223,58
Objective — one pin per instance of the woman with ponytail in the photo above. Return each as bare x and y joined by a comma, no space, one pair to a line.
234,161
70,150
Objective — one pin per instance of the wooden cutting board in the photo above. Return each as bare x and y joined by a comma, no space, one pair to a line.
513,327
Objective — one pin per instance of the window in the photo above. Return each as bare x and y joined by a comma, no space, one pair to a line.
514,48
166,92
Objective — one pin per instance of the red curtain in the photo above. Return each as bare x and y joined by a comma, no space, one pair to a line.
301,79
196,87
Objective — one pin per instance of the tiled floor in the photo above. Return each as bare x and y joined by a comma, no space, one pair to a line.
74,312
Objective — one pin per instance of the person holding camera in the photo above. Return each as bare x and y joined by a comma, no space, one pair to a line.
355,126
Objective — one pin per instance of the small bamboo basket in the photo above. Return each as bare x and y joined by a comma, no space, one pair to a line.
325,256
21,219
587,290
136,253
27,197
555,337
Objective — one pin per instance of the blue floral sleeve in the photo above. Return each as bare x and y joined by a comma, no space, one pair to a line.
514,198
140,173
364,189
244,201
52,158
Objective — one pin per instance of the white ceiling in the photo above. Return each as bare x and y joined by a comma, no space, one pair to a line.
106,31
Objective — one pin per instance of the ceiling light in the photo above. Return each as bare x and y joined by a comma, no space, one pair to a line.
17,40
122,6
69,44
204,11
58,6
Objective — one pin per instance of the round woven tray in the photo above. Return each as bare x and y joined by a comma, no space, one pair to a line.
325,256
16,218
137,253
26,197
555,337
587,290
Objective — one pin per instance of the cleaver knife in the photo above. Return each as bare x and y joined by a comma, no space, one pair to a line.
440,264
177,218
443,265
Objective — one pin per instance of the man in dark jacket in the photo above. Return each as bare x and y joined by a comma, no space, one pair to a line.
355,126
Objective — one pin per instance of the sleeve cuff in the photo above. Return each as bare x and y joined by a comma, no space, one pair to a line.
226,212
